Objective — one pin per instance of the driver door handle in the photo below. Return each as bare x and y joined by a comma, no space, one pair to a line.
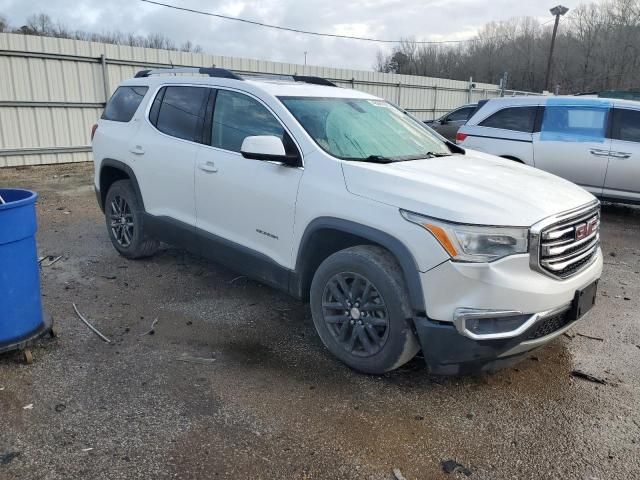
599,153
208,166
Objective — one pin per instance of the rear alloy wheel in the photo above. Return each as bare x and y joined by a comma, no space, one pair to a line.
125,222
361,310
122,224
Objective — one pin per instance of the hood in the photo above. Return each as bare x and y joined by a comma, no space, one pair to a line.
475,188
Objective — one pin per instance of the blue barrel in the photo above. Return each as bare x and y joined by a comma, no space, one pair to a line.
21,315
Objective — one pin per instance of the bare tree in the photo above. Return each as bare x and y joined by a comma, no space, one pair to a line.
42,24
597,48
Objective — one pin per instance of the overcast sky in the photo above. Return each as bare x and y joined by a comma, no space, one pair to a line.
389,19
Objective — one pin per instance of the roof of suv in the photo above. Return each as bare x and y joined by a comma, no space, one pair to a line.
572,99
276,86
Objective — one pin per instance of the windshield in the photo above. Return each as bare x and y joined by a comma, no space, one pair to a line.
362,129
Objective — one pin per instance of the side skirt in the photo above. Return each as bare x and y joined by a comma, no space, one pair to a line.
248,262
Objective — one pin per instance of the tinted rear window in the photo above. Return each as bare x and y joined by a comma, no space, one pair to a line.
462,114
626,125
181,112
123,103
519,119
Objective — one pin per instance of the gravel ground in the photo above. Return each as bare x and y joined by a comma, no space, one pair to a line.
269,401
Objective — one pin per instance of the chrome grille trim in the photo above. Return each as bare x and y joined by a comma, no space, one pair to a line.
552,244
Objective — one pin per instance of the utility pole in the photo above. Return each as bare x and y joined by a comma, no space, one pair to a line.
503,83
558,11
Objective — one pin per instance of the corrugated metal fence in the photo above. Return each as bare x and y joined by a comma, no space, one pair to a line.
52,90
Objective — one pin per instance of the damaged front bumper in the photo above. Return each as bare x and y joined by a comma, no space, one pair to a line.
447,352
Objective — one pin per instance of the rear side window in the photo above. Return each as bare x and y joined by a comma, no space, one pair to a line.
626,125
123,103
518,119
237,116
574,122
460,115
179,111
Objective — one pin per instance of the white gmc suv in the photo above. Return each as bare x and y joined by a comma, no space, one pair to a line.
400,240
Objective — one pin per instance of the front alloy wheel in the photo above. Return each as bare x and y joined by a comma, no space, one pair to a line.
361,309
355,314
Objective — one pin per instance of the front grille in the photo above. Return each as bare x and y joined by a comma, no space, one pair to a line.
549,325
568,244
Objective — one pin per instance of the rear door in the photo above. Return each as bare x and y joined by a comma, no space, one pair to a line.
623,174
165,150
572,142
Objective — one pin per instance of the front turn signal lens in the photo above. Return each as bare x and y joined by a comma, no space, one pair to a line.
442,237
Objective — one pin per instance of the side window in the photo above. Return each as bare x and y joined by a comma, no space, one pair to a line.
180,111
460,115
575,122
123,103
626,125
519,119
237,116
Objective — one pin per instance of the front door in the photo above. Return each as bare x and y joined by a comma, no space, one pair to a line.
249,204
572,143
623,175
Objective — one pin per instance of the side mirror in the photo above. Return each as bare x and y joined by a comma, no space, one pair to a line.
444,121
265,147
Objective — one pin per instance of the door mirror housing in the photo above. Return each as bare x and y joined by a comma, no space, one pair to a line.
266,147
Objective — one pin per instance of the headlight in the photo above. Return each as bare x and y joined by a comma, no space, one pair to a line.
473,243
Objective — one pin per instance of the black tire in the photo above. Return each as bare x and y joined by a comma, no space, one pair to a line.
384,339
123,213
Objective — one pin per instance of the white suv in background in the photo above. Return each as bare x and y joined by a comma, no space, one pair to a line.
590,141
400,241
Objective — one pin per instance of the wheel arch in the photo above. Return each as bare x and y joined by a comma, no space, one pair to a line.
327,235
111,171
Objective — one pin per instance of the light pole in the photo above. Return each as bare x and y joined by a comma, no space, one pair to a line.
558,11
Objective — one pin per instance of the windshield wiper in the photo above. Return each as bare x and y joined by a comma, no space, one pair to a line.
371,159
421,156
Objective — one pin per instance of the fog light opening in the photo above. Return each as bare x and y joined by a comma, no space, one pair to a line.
495,325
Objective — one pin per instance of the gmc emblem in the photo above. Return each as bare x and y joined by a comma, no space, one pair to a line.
585,229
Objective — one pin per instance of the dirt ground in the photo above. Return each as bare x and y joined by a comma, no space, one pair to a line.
235,383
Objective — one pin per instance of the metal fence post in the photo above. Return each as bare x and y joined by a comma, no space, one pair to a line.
399,93
105,77
435,101
353,82
470,92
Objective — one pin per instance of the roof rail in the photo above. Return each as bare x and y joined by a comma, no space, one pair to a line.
294,78
212,72
314,80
